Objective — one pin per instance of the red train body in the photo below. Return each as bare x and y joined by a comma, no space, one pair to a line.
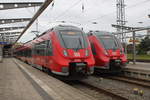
107,51
63,50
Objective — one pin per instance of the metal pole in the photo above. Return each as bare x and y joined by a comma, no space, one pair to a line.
134,48
36,21
1,53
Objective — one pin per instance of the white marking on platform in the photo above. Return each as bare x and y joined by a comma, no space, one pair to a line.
41,84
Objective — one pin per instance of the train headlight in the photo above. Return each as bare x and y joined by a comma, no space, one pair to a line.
105,52
65,69
86,53
65,53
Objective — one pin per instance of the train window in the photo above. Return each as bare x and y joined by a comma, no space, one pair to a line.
30,53
42,52
27,53
108,42
19,53
37,51
43,48
23,53
49,50
42,45
40,48
93,48
34,50
73,39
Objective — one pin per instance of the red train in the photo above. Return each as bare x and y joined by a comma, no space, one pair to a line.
107,51
63,50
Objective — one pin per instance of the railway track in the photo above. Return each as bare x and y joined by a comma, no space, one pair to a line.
105,91
122,88
101,90
140,82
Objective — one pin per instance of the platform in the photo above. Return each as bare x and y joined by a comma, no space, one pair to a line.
19,81
14,85
139,66
139,70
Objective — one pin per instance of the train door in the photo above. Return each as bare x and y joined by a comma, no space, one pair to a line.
1,54
33,54
41,48
49,53
43,53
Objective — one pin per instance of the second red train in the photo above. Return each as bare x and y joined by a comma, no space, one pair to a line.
108,52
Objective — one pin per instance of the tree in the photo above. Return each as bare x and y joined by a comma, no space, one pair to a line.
144,46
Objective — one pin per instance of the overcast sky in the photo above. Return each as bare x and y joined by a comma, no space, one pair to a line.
101,11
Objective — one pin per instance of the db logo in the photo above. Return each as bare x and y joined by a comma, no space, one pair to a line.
114,53
77,54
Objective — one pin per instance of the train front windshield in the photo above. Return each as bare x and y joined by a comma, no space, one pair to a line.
109,42
73,39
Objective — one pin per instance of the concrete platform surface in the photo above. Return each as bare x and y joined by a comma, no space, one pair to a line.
139,66
19,81
14,85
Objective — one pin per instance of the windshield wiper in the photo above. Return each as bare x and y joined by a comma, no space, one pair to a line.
63,41
79,45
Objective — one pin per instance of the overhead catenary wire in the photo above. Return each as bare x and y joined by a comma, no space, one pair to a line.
134,5
66,11
63,13
76,3
32,14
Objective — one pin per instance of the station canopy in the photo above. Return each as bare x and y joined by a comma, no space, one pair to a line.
11,27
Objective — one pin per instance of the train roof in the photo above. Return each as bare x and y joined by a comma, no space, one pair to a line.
99,33
68,27
59,27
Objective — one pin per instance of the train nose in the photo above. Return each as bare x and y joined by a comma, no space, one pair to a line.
82,67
